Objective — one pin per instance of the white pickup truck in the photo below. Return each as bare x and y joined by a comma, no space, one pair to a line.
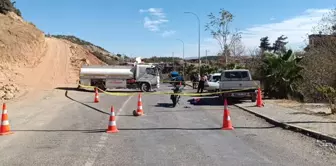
238,83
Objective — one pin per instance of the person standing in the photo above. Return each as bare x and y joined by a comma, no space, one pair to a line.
201,83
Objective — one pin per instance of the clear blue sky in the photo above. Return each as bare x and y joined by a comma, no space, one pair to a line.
119,26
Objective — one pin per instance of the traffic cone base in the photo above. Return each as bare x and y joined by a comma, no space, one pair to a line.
7,133
4,128
96,99
259,99
112,126
227,125
140,111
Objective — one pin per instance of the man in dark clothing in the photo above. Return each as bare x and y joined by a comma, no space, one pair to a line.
201,84
193,80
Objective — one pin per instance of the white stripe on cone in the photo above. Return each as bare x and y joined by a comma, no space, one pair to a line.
112,123
5,112
5,122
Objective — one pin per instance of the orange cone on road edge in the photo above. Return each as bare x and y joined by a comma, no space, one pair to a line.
5,129
259,99
227,125
112,126
96,98
139,109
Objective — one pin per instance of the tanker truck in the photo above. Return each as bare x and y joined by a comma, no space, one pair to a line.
140,76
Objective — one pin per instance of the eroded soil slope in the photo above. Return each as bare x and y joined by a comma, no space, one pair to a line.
30,62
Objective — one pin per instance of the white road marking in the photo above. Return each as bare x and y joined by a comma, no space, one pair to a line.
102,140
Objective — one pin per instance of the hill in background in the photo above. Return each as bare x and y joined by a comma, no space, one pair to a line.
98,51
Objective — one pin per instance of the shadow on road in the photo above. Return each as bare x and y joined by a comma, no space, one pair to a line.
87,90
73,89
67,96
138,129
214,128
85,131
212,101
165,105
127,115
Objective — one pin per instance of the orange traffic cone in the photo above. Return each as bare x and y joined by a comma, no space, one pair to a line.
112,126
227,125
139,109
5,129
96,98
259,99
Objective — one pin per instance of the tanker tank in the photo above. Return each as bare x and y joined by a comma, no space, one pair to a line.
109,71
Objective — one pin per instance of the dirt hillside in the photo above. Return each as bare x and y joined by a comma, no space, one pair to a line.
30,61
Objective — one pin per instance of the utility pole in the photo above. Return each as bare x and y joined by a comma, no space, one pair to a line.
182,55
199,40
173,61
206,56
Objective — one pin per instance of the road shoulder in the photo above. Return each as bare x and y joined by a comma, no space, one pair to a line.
315,126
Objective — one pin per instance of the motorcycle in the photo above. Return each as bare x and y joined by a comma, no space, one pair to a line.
175,98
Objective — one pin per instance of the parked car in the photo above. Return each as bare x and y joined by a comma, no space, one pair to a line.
212,84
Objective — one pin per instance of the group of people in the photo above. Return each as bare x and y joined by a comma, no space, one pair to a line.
195,78
200,79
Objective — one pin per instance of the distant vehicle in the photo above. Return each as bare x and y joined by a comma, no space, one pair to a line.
241,80
140,76
212,85
173,75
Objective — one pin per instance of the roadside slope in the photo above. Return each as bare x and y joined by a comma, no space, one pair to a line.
29,61
59,66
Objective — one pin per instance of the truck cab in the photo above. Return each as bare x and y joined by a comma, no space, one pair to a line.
147,77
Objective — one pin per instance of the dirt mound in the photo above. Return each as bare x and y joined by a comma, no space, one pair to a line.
21,43
30,61
98,51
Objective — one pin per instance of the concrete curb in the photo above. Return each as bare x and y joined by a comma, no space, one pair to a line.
294,128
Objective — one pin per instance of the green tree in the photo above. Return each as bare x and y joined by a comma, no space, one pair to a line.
190,69
231,66
220,30
7,6
206,69
279,46
265,45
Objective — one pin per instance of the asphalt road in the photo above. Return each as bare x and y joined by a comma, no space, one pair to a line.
68,129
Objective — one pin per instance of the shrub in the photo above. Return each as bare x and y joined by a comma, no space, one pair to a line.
281,72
